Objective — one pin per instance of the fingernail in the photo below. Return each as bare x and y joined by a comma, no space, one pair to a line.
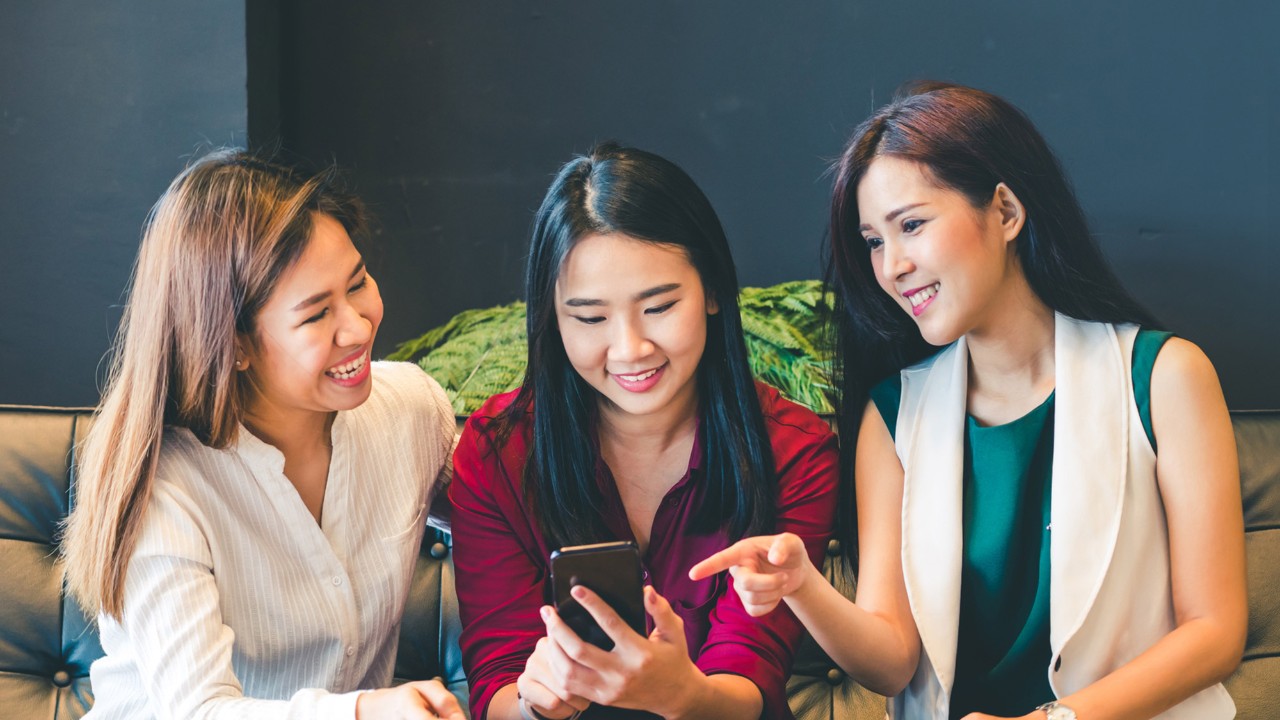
578,592
545,612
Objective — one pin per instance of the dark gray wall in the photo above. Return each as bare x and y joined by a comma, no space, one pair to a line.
101,104
453,117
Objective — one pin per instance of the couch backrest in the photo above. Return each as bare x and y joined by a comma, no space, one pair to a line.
46,644
1256,683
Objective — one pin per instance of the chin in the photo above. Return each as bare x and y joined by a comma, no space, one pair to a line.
937,334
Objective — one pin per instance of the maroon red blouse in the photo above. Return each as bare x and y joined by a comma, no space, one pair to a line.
503,573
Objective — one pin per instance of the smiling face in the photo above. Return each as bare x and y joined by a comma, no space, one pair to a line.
951,266
633,319
315,332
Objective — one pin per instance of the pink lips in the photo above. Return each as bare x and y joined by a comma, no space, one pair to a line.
918,310
639,386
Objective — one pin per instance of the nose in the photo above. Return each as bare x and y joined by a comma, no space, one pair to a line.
894,261
353,327
629,343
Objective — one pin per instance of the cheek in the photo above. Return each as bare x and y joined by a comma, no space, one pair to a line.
580,346
691,337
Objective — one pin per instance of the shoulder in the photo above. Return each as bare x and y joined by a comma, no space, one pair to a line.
404,399
406,385
492,408
188,464
786,416
187,478
887,395
798,436
476,444
1181,366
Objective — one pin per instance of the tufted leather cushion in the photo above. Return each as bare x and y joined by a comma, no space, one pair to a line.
431,625
46,645
818,689
1255,686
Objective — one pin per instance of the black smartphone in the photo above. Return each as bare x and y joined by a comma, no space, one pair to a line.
611,570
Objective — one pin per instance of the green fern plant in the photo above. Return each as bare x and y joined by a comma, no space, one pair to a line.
479,353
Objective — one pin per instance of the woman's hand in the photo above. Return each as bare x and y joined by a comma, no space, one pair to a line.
542,684
765,569
420,700
651,673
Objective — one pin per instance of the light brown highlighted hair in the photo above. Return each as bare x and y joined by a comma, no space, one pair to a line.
213,248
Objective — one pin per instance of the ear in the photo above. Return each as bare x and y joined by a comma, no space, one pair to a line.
1009,211
242,360
713,307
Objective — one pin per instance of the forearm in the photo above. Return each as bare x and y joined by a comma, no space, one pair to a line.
504,705
731,697
874,651
1184,662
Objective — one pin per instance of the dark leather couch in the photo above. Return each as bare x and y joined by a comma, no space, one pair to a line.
46,645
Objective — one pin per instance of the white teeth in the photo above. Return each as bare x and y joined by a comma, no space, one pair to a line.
638,378
347,371
923,295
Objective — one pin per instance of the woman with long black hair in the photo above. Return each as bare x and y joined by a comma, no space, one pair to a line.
1024,549
638,420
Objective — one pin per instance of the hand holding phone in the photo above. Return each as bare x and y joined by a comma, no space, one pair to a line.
612,570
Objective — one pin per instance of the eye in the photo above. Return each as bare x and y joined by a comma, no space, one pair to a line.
592,320
317,317
360,285
910,226
873,243
660,309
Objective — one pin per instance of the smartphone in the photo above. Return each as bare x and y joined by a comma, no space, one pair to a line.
611,570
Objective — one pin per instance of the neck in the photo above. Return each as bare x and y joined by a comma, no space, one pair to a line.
651,433
289,432
1011,354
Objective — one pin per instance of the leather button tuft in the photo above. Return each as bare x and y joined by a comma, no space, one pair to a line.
62,678
834,676
833,547
439,550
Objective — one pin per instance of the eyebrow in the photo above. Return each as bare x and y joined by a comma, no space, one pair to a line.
890,217
318,297
642,295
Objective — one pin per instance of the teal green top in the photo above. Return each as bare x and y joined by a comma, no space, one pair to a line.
1003,644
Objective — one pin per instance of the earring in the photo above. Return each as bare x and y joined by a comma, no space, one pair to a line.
237,364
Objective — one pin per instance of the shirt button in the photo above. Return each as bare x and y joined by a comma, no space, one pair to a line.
350,651
337,581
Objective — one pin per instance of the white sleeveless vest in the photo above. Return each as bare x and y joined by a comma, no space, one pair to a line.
1110,592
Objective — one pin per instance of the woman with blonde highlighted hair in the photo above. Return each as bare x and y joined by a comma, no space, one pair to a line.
252,494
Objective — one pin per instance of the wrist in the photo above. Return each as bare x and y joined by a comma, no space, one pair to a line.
690,697
1057,711
810,580
529,712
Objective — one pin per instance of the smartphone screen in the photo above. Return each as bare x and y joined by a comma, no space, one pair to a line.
611,570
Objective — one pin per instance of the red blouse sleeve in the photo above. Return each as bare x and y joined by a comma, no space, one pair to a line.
499,560
762,649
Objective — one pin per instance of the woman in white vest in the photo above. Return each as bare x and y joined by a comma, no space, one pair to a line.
1048,514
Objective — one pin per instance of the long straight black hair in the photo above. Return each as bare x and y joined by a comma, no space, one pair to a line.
969,141
640,195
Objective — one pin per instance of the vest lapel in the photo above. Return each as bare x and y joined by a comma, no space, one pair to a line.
1090,464
931,433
